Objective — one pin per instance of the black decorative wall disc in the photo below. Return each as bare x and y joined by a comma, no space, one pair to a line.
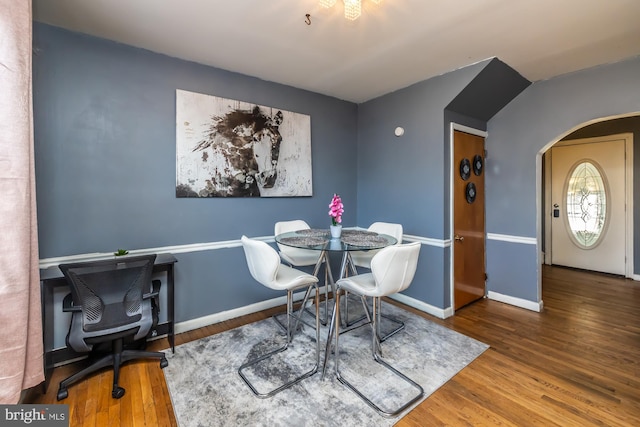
477,164
465,169
471,192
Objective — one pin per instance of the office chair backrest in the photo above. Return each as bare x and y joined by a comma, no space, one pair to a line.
263,261
109,293
393,268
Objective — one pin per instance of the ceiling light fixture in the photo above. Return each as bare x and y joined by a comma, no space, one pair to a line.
352,8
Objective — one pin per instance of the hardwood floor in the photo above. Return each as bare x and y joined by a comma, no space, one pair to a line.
577,363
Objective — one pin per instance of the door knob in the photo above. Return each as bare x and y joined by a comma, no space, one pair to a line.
459,238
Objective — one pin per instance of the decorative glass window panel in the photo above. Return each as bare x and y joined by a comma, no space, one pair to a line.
586,204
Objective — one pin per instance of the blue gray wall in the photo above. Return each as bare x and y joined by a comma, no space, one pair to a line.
402,179
104,121
541,115
406,179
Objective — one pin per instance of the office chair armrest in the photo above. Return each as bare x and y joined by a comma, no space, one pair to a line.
67,304
155,290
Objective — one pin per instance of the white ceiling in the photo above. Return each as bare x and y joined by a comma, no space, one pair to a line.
391,46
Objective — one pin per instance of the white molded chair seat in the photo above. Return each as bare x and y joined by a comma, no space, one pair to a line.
392,270
266,268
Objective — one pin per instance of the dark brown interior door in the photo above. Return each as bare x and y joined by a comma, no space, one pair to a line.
468,224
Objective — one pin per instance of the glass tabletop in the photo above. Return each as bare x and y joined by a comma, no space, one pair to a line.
350,240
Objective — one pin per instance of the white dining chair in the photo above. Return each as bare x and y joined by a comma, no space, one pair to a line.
267,269
296,257
362,259
392,271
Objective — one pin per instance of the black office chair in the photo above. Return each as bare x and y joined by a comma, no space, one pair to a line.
110,300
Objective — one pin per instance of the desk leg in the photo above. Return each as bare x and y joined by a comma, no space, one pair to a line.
170,307
46,294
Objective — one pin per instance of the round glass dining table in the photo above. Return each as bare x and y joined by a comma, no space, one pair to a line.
321,240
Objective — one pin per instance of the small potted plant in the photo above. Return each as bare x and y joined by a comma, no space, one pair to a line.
121,252
336,209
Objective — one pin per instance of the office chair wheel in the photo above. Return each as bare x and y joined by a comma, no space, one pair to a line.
164,363
63,393
117,392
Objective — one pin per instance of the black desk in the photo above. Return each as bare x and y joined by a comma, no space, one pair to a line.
52,277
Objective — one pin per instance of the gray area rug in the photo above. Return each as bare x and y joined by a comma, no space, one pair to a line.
206,389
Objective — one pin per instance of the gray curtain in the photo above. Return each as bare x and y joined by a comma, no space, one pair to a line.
20,310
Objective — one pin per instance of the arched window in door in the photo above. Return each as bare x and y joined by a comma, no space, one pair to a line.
586,208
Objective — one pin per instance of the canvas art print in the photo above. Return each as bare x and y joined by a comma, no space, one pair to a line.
228,148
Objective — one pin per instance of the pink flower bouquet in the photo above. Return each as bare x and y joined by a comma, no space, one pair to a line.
336,209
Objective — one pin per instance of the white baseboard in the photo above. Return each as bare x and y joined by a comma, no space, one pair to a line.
518,302
422,306
440,313
214,318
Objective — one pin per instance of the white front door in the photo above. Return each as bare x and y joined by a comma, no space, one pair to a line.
588,198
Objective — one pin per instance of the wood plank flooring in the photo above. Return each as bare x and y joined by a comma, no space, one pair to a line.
577,363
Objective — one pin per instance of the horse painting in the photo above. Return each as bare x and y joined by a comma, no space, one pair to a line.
236,154
242,138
